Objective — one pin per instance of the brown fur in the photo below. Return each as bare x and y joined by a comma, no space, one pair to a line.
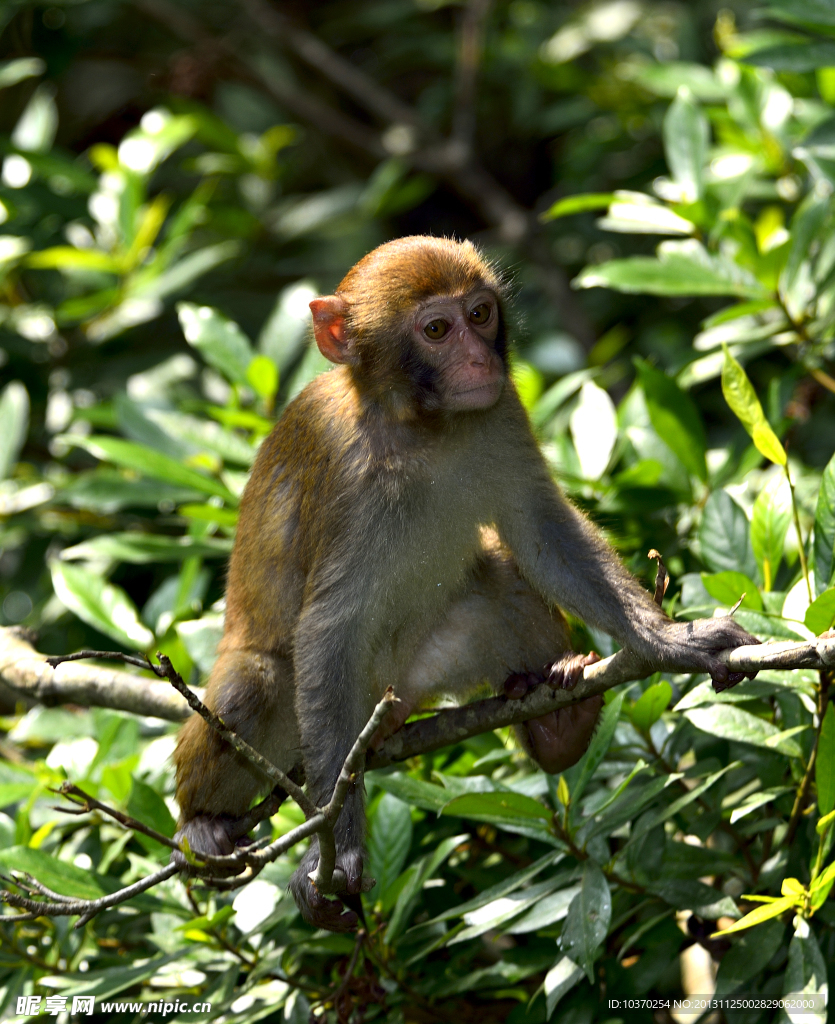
386,538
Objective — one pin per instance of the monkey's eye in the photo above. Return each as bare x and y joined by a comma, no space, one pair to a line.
480,314
436,329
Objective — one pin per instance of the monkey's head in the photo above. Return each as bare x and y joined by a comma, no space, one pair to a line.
420,324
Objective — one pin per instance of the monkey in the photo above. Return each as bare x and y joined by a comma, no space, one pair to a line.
401,526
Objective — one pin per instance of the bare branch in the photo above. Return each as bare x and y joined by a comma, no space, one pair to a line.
64,907
29,675
88,803
457,724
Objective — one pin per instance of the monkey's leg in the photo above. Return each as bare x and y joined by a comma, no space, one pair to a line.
253,692
502,632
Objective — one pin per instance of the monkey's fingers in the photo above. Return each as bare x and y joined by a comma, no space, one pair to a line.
567,671
330,914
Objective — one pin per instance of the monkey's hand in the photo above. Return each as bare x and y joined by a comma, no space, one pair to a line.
322,911
693,646
215,835
559,739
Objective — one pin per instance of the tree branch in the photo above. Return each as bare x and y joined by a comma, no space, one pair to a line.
29,675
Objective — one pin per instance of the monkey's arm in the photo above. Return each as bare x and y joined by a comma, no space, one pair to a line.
569,562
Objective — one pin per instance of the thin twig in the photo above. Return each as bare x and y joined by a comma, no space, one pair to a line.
323,876
662,579
89,803
470,49
87,908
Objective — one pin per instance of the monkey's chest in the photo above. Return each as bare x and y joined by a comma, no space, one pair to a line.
426,546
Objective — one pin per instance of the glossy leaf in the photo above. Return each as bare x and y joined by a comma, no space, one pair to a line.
725,538
578,204
733,723
588,919
562,977
770,523
825,529
649,707
150,463
389,839
218,339
825,763
686,138
729,587
742,398
102,605
14,422
594,429
682,268
675,418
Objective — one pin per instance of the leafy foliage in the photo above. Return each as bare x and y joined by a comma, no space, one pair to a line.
156,259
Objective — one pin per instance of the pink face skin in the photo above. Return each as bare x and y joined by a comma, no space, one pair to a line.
457,335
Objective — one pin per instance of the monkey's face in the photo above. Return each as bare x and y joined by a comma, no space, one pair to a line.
457,337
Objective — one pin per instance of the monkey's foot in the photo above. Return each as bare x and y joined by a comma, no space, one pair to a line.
559,739
330,912
215,835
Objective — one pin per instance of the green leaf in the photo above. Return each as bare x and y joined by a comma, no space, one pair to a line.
415,792
147,806
389,839
724,536
58,875
689,894
143,548
742,398
728,588
820,615
579,775
503,888
500,808
14,71
825,530
67,257
747,957
423,870
102,605
825,763
808,55
649,707
188,269
653,818
668,78
578,204
769,525
645,218
108,982
796,283
729,722
682,268
588,919
14,422
219,340
499,912
806,970
594,429
674,417
262,376
686,139
562,977
545,912
149,463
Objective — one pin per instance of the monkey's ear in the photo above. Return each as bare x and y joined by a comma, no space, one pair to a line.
329,329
